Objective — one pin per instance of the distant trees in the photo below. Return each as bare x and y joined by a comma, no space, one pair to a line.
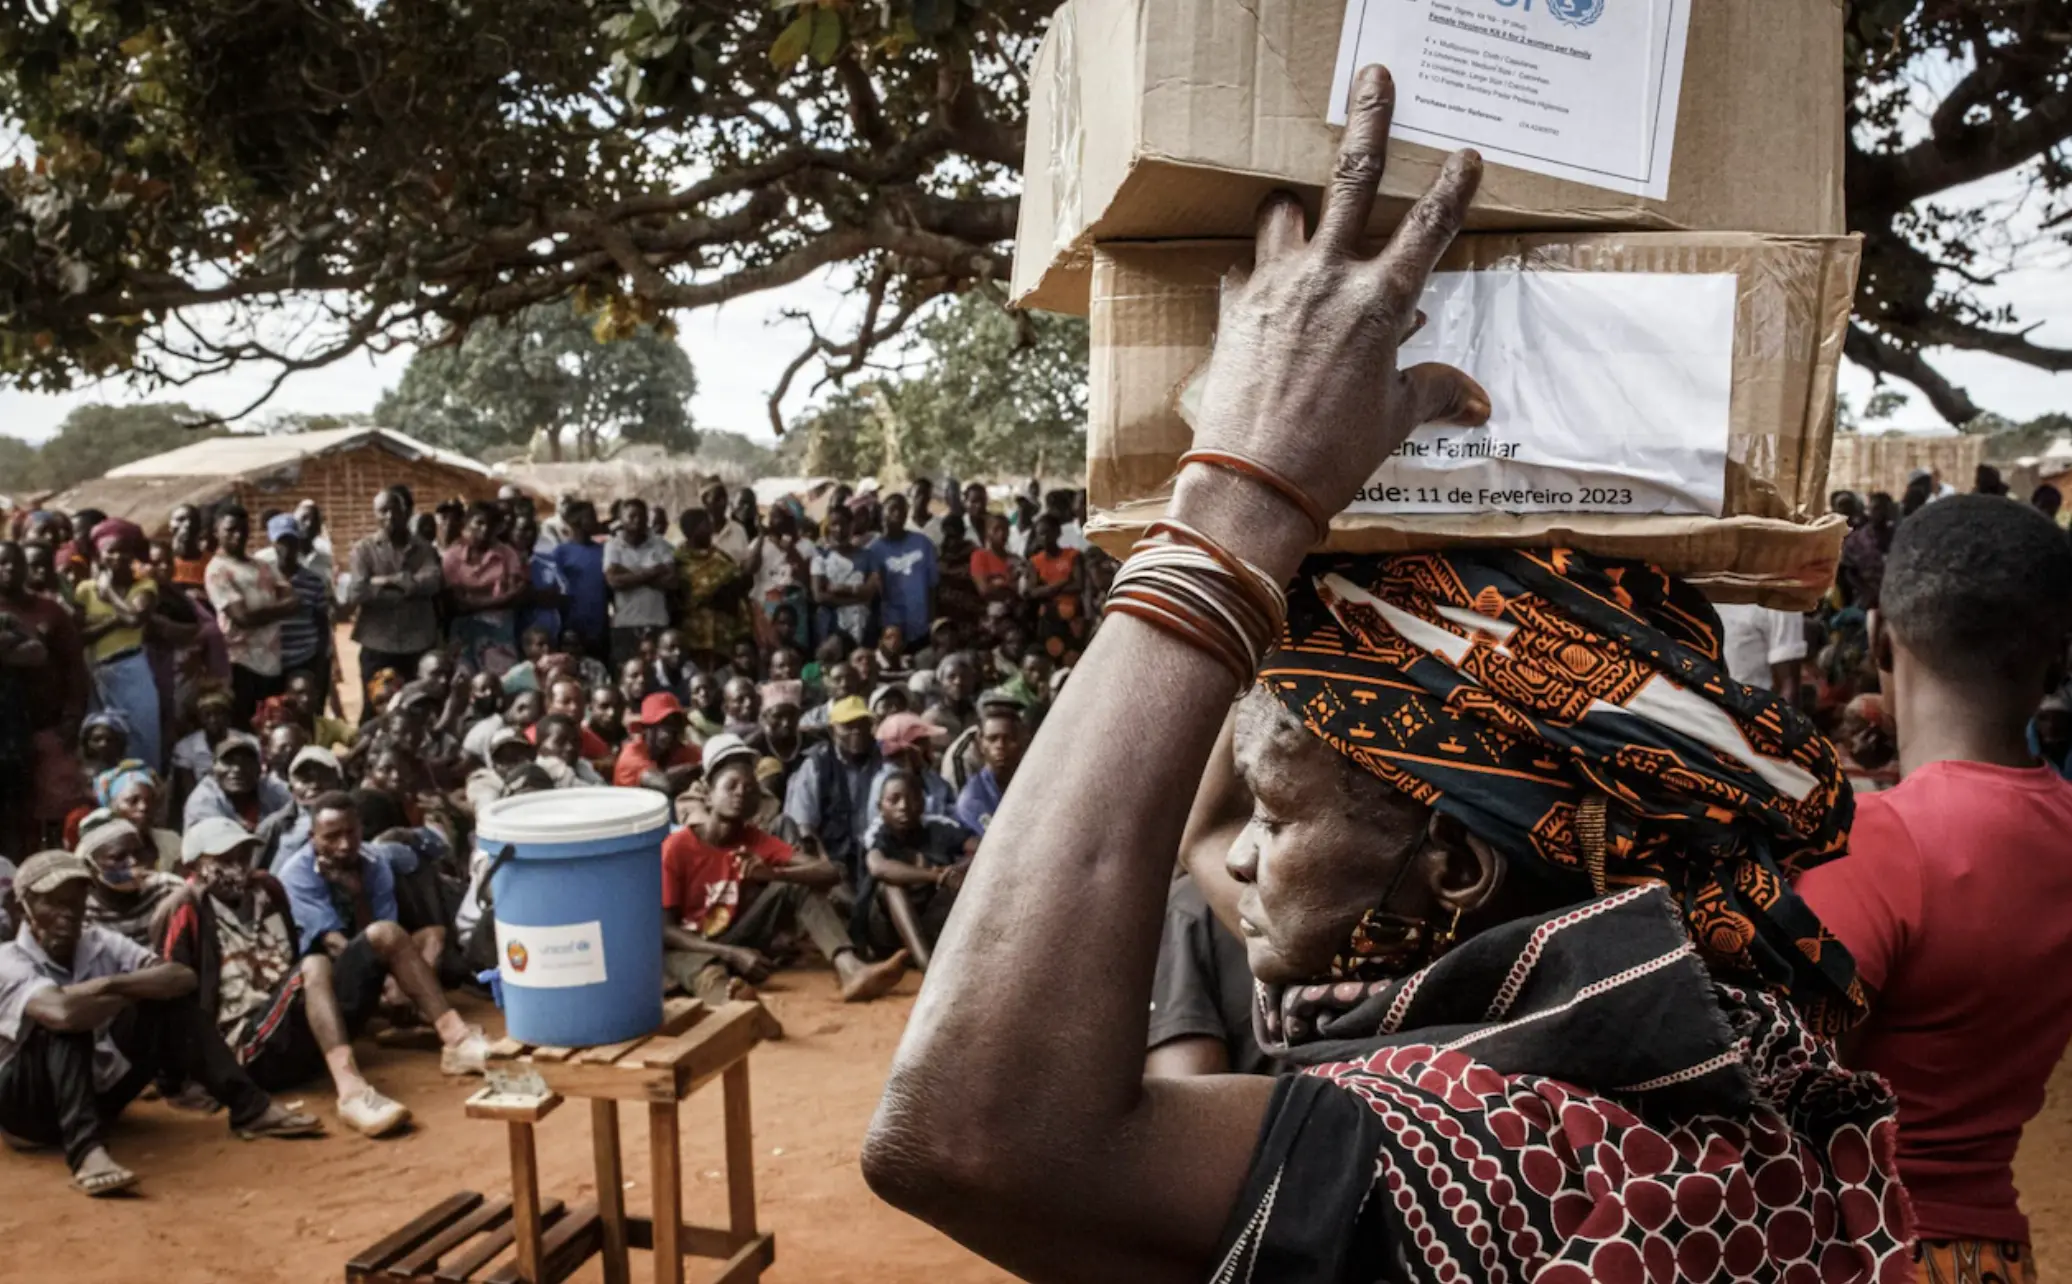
95,438
550,374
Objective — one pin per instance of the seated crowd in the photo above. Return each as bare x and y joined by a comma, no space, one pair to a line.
222,861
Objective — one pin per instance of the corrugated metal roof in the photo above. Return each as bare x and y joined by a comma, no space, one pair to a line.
244,454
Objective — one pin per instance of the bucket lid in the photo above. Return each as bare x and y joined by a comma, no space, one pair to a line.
572,815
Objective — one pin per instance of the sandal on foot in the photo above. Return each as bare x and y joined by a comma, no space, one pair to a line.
289,1123
107,1182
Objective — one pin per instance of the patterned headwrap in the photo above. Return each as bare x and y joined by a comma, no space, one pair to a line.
126,535
114,782
1577,711
110,718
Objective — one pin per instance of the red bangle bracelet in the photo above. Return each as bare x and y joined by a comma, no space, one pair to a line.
1267,477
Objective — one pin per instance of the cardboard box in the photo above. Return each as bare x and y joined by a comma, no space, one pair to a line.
1680,410
1162,119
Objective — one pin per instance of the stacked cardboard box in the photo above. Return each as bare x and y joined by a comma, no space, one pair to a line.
1653,287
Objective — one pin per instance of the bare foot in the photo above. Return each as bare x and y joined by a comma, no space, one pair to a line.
98,1175
867,981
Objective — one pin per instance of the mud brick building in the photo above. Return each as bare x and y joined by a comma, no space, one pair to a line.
341,469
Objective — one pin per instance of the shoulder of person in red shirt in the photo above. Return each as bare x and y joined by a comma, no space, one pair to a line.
1871,898
633,760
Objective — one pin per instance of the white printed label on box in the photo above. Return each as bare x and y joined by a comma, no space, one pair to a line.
1584,90
551,958
1609,393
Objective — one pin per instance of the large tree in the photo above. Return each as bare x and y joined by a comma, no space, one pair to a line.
398,172
95,438
552,374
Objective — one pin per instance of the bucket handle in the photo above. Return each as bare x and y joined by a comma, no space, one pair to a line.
496,862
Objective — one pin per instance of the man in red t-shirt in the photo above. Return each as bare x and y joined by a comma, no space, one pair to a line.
1953,897
729,890
656,756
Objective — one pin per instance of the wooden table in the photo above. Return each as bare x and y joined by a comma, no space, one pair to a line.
456,1238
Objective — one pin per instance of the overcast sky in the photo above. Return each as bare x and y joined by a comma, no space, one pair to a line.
740,350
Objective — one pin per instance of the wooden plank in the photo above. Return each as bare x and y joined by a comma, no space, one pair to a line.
621,1082
665,1141
750,1263
377,1256
487,1103
740,1151
488,1217
727,1025
611,1189
507,1050
551,1054
696,1241
482,1251
564,1249
525,1202
678,1014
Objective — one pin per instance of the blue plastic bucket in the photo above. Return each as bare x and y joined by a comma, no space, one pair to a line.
575,880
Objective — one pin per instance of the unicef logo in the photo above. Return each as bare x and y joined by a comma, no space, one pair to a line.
1576,13
515,952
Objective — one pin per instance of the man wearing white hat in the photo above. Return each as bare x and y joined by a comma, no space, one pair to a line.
235,929
87,1018
312,773
729,889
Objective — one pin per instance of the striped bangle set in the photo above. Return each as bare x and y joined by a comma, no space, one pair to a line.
1185,584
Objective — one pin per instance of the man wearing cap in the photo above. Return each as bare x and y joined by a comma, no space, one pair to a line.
657,756
729,890
233,926
507,749
829,795
909,742
1000,744
342,893
87,1018
128,897
312,773
306,635
236,787
777,732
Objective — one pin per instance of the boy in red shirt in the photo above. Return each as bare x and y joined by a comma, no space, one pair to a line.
1952,896
656,756
729,889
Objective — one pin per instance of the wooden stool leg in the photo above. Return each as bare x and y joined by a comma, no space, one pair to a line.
611,1187
525,1202
740,1153
665,1152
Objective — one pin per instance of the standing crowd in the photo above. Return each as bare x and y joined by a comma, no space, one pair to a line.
227,850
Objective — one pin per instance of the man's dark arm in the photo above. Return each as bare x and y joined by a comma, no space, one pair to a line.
898,873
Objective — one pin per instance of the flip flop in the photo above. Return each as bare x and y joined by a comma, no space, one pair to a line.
294,1123
103,1184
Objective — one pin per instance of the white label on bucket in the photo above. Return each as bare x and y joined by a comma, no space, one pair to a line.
551,958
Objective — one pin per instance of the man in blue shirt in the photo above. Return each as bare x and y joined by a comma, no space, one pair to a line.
1000,746
549,587
907,569
342,892
581,563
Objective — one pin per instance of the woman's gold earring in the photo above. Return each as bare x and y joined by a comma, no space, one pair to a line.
1444,941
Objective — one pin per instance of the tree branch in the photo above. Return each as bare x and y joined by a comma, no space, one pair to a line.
1886,359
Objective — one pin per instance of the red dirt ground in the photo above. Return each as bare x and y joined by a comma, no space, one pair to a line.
214,1210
